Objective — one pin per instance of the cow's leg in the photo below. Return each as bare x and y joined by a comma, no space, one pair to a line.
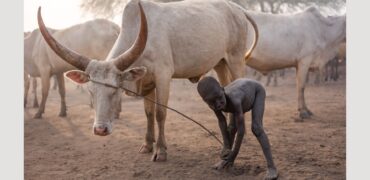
45,86
269,75
55,82
336,75
282,73
62,93
26,88
259,76
34,91
317,77
149,112
162,93
307,77
236,67
254,73
275,78
302,71
333,71
321,74
326,72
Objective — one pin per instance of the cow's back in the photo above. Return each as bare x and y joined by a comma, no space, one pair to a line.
186,33
31,49
286,38
29,44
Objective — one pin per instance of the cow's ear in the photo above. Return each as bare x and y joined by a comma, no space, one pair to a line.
134,74
77,76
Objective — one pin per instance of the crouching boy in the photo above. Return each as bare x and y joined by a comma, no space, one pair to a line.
237,98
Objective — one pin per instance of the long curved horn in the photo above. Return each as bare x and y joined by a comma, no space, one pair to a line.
73,58
123,61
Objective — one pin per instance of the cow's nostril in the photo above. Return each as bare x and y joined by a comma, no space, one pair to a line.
99,130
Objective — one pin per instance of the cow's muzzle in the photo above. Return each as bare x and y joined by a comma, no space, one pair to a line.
101,130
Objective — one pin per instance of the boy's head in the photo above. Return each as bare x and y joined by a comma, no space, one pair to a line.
212,93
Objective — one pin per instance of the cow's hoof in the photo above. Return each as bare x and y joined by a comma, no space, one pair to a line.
145,149
305,114
271,174
223,164
38,115
116,116
159,156
62,114
309,112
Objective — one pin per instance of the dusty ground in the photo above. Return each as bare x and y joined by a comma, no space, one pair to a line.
65,148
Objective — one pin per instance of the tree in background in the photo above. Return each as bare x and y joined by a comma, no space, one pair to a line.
111,8
107,8
283,6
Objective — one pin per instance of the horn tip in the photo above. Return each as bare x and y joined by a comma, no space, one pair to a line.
39,12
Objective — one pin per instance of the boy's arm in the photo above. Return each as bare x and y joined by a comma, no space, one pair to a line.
223,127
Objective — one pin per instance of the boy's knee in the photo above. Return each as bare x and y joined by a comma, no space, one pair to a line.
257,130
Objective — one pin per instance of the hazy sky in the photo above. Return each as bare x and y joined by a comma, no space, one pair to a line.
57,14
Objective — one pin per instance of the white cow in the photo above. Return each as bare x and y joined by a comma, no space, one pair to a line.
93,38
301,40
184,39
30,39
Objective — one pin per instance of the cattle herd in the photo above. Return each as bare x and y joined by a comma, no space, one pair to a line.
149,51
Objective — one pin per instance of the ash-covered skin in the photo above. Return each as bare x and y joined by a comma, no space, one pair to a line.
237,98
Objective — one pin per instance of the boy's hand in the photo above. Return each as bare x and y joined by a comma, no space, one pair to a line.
223,164
224,153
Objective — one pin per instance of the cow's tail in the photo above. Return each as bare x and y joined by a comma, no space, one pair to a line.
254,25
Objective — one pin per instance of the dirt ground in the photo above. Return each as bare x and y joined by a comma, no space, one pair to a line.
65,148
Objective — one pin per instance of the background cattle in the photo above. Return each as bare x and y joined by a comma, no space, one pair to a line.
92,38
329,71
332,67
301,40
31,41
